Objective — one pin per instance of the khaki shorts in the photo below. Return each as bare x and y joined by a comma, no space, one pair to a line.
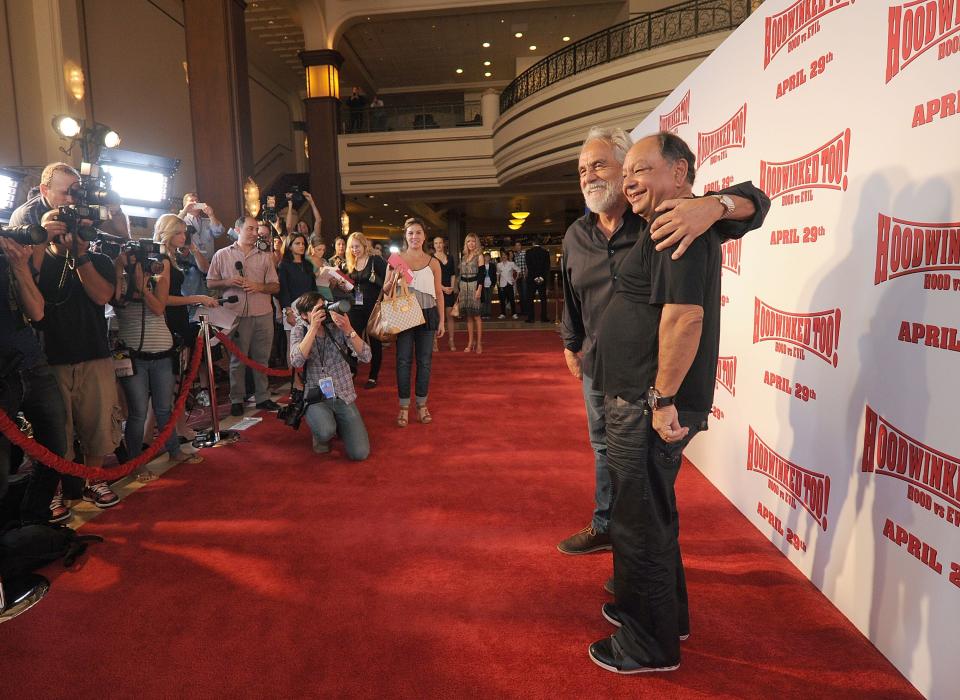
90,396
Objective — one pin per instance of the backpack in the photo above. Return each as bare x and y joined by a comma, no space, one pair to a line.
30,547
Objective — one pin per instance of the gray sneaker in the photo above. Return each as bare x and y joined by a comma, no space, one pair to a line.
586,541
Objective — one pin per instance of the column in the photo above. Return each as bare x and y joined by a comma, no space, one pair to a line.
490,107
219,102
323,115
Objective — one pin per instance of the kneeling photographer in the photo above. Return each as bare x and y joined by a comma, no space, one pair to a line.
322,342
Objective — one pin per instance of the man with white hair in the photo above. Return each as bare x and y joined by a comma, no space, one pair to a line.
593,248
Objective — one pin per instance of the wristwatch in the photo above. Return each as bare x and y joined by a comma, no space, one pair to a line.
353,334
655,401
727,203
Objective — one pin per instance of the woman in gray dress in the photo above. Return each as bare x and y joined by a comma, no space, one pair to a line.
472,271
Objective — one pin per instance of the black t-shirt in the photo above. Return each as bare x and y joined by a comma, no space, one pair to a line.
627,344
74,328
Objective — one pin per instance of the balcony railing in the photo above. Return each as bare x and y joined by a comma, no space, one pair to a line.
650,30
410,118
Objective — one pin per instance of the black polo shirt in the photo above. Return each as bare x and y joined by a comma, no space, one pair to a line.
30,212
627,345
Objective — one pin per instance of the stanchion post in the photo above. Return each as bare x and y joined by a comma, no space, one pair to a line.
214,435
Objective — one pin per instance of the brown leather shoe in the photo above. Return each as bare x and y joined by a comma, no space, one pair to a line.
586,541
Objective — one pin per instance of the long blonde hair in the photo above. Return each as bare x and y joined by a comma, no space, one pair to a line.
166,227
363,241
476,238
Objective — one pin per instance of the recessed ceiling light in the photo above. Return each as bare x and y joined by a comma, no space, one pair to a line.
566,38
385,204
459,71
487,74
269,21
371,196
519,35
486,63
533,47
486,44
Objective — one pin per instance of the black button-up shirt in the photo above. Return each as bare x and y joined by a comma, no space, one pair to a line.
591,263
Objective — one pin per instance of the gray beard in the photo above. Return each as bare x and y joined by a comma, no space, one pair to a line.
603,202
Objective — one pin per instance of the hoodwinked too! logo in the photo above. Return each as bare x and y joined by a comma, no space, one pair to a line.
713,145
908,247
914,28
794,483
796,334
795,25
823,168
678,116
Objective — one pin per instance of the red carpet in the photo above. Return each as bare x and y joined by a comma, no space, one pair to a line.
429,571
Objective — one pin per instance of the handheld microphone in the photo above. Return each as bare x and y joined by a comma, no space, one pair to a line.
239,266
232,299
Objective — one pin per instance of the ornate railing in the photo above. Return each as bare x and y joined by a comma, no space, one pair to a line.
650,30
410,117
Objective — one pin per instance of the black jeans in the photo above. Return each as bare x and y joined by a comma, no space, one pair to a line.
419,339
651,590
38,396
359,318
506,297
534,290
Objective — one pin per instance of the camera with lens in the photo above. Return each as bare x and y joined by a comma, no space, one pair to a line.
91,197
143,252
31,234
295,195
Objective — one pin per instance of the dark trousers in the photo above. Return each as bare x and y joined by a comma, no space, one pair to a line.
522,293
359,318
419,341
506,297
651,590
486,301
36,394
535,290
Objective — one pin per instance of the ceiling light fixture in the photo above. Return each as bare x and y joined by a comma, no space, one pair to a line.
487,74
486,44
566,38
533,47
519,35
516,222
459,71
520,214
514,227
486,63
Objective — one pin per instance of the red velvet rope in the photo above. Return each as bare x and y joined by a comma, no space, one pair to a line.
42,454
252,364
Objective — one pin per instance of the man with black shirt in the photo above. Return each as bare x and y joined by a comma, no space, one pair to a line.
593,249
655,361
538,273
26,382
76,284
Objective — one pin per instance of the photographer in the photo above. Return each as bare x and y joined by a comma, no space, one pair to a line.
26,382
293,225
59,184
202,242
140,300
320,345
75,284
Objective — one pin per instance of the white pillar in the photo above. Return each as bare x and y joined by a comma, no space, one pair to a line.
490,107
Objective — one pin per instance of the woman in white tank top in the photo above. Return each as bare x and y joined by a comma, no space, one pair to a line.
418,342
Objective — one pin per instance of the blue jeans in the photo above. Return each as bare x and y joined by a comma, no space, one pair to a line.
329,417
152,379
421,340
597,426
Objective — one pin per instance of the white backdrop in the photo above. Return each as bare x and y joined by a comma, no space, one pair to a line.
836,426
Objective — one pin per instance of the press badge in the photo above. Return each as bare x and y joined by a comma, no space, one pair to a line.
357,296
326,388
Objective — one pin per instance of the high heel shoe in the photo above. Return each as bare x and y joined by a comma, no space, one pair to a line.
424,414
469,348
479,349
402,419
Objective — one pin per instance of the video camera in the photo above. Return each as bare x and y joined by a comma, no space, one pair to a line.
269,211
91,197
295,195
31,234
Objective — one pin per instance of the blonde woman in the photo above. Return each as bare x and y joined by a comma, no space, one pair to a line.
418,340
367,271
472,272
